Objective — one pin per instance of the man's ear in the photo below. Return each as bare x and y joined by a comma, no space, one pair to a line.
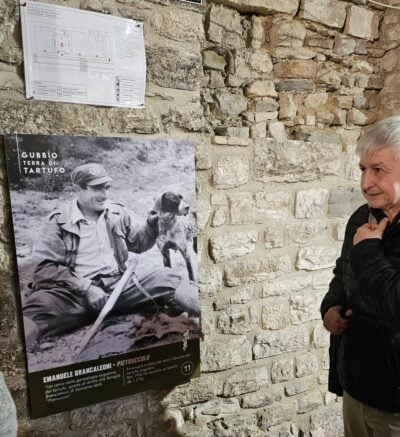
77,189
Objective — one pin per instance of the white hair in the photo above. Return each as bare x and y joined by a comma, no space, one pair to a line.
385,134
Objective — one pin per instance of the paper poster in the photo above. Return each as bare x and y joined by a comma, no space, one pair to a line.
77,56
100,222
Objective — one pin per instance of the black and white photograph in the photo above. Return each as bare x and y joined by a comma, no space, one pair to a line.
106,247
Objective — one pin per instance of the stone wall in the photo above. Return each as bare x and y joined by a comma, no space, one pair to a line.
274,94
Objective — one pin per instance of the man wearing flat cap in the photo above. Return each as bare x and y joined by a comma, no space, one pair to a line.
79,256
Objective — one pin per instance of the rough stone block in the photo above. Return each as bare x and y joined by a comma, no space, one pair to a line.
298,386
213,60
225,27
259,130
233,321
286,286
245,381
295,161
210,280
219,217
178,25
310,402
328,12
296,69
215,409
295,85
172,68
243,295
265,116
327,421
329,76
325,137
357,117
203,156
306,364
198,390
259,207
261,88
276,130
232,426
304,307
45,118
287,106
287,34
293,53
316,257
276,414
216,79
344,200
311,202
275,315
256,269
231,140
203,214
351,167
282,370
260,61
344,45
262,398
188,117
319,41
232,245
263,7
231,171
224,353
362,23
231,103
316,100
320,336
273,343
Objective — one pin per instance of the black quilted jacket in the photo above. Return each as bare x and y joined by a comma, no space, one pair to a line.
365,361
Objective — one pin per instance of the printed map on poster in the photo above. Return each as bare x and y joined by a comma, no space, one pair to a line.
82,209
79,56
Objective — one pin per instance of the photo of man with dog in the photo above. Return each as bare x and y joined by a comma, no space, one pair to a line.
105,239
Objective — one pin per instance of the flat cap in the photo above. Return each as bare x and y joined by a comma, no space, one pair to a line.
90,174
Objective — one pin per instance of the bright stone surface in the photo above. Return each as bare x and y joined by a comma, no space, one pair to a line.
282,370
231,171
332,13
361,22
210,280
245,381
232,245
258,207
275,315
310,203
316,257
256,269
277,342
225,353
233,321
262,6
294,161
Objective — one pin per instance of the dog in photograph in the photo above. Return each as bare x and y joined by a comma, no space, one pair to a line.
176,229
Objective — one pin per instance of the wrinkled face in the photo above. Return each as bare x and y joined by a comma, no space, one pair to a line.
380,181
93,199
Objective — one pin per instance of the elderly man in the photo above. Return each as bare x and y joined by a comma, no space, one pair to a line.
362,307
79,256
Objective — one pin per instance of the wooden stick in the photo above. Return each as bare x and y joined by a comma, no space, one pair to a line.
109,305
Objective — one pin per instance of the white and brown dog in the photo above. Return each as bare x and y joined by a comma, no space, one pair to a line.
176,229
